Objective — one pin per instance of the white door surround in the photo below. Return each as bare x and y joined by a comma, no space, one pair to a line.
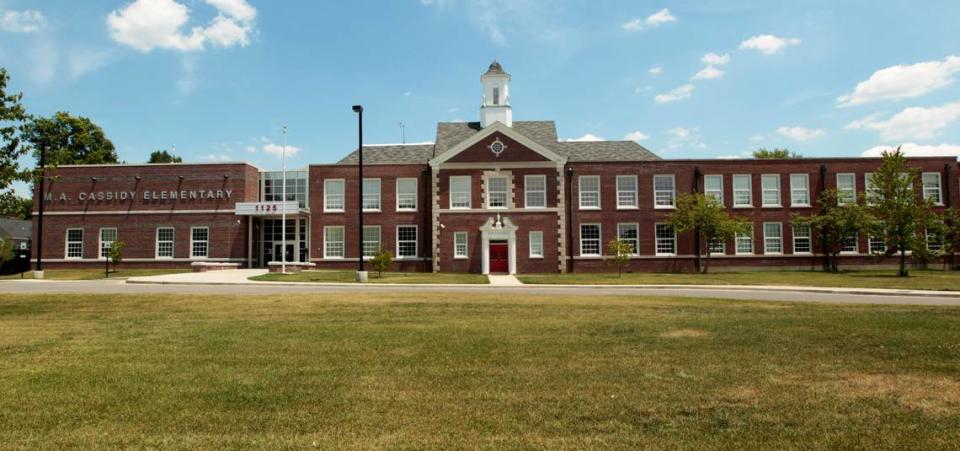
497,229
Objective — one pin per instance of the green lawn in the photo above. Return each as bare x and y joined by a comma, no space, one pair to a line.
438,370
388,277
92,274
918,280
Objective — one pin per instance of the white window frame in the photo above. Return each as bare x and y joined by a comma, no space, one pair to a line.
599,239
764,191
873,240
721,248
367,193
621,193
327,242
673,192
841,197
808,236
206,254
453,193
657,239
66,241
938,240
103,252
581,192
768,239
716,192
527,191
172,241
416,242
367,242
327,197
740,237
636,238
938,190
401,194
856,246
794,189
535,244
868,187
457,255
748,190
506,192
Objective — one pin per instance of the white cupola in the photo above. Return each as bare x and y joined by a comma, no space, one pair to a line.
496,97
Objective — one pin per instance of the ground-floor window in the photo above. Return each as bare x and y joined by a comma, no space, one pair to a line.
772,238
849,245
333,245
718,247
460,245
934,240
108,235
74,243
801,239
666,240
630,234
536,244
744,242
199,242
407,241
590,239
165,242
371,240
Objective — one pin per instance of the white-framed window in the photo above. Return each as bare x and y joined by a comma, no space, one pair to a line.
165,237
627,191
460,245
772,238
406,241
717,247
850,245
770,190
199,242
74,247
713,186
869,190
877,244
931,187
590,239
333,195
371,194
589,187
664,191
846,188
536,244
799,190
802,242
665,239
630,232
497,191
108,235
407,194
744,242
371,241
934,240
460,192
742,191
535,191
333,242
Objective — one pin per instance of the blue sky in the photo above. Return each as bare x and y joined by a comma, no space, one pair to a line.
218,78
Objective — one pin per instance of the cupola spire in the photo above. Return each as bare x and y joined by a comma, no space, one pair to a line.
496,96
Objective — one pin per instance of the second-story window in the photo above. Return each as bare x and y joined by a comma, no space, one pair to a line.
589,191
742,190
799,190
770,185
460,192
333,195
931,187
713,186
407,194
497,192
626,191
535,189
664,191
371,194
846,188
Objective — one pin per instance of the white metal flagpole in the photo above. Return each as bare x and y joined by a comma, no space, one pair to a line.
283,208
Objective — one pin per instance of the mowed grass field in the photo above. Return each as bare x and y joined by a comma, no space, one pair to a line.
887,278
350,276
441,370
94,273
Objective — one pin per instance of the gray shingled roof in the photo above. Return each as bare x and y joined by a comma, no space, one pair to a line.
392,154
603,151
17,229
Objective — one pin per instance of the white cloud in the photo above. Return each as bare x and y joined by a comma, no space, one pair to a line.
655,70
801,133
741,155
681,136
652,21
714,59
636,136
768,44
84,61
148,24
218,157
917,150
903,82
43,59
188,80
911,123
29,21
585,138
683,92
708,73
276,150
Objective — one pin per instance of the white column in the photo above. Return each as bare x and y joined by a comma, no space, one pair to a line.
249,241
512,252
486,253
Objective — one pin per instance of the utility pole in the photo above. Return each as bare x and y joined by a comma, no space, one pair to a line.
361,274
38,274
283,208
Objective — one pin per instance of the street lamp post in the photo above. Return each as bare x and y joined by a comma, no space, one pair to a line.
361,274
283,208
38,274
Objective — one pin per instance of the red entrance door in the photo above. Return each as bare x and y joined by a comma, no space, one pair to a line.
498,258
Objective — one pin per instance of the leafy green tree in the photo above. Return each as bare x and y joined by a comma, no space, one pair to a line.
15,206
162,156
116,253
381,261
775,154
835,223
13,117
893,200
705,215
69,140
950,234
6,251
620,250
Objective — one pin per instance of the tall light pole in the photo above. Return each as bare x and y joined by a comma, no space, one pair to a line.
283,208
38,274
361,274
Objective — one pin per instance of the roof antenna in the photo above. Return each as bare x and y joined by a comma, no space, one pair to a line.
403,134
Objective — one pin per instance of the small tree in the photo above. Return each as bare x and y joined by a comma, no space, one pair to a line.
116,253
381,261
6,251
775,154
951,235
621,250
705,215
835,223
162,156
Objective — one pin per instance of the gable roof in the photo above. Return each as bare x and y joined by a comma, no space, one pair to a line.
392,154
604,151
16,229
511,132
450,134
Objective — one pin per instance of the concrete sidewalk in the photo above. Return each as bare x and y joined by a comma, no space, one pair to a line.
226,276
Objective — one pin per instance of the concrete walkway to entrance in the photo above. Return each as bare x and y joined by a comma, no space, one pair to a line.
504,280
226,276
